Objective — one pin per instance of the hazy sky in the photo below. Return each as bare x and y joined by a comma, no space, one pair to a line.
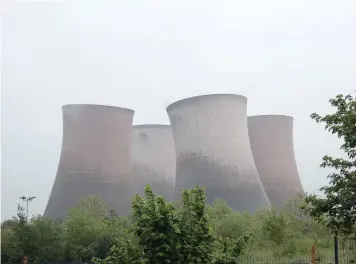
287,56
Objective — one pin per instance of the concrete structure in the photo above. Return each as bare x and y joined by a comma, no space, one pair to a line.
153,159
271,138
95,159
213,150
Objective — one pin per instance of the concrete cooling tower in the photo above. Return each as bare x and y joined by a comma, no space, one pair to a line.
95,159
153,159
213,150
271,138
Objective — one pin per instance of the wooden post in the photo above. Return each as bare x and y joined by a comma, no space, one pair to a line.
25,260
313,254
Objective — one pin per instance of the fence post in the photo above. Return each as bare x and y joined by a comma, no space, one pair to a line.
313,254
25,260
336,249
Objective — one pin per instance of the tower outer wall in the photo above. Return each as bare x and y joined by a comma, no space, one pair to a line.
271,139
213,150
153,159
95,159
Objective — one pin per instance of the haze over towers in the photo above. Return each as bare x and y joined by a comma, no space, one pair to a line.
249,162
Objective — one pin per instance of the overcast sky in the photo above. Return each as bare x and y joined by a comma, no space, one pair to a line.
287,56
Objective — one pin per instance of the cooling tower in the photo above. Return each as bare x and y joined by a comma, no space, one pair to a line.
95,159
271,139
213,150
153,159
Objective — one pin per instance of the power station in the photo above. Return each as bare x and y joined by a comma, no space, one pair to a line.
95,159
153,159
210,142
213,150
271,138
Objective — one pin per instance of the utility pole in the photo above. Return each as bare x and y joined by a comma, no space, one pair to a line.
27,199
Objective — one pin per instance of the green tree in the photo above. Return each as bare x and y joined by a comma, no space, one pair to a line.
229,250
338,207
156,226
39,239
47,235
124,252
278,231
85,228
7,238
23,244
165,235
114,228
9,223
123,244
303,223
226,222
196,239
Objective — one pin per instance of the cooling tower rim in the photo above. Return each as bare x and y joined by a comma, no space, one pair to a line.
189,100
270,116
151,126
83,106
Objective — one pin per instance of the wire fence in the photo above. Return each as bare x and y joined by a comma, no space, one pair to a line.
273,260
347,255
344,258
347,251
259,260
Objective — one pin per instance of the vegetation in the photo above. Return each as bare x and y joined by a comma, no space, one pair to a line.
40,239
338,207
159,232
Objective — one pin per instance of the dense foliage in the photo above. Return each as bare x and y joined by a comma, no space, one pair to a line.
41,239
338,207
159,232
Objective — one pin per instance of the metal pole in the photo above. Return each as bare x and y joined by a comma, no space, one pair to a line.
336,250
27,210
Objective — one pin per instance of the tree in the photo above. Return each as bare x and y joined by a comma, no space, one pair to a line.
7,238
123,252
229,250
84,228
277,229
229,223
115,228
196,239
305,225
338,207
47,235
39,239
156,226
9,223
165,235
23,244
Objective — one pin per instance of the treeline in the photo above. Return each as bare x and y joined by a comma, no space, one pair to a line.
189,231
